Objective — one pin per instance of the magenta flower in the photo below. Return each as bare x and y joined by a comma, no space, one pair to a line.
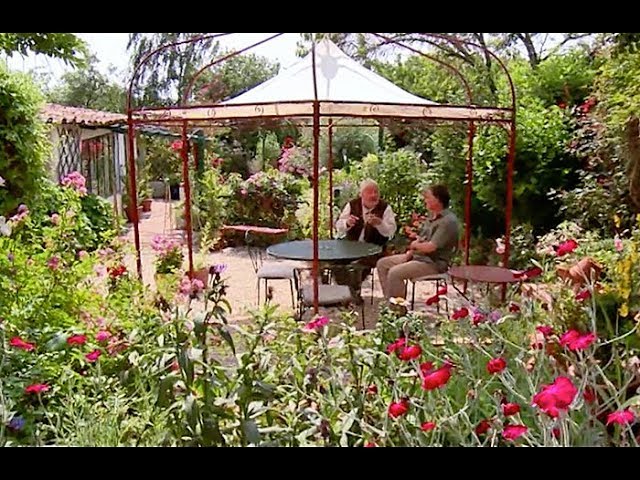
77,340
37,388
93,356
622,417
512,432
17,342
103,336
316,324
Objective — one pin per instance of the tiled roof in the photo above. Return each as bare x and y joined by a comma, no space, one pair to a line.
61,114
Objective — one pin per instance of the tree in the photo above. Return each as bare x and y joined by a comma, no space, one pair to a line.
89,88
234,77
65,46
164,78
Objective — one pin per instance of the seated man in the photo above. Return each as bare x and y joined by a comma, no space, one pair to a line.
366,218
430,253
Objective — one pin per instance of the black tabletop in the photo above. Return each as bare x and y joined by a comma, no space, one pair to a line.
328,250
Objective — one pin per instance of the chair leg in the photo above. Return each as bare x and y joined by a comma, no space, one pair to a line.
413,294
291,287
266,290
258,292
373,285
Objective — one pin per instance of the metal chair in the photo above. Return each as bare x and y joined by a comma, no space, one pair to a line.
328,294
270,270
440,279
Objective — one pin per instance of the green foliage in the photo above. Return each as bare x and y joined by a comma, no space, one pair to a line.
213,203
268,198
88,88
65,46
400,177
23,142
162,162
617,90
90,219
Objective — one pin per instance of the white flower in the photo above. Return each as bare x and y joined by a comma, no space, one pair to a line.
5,228
2,182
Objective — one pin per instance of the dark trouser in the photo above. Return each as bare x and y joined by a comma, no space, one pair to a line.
354,273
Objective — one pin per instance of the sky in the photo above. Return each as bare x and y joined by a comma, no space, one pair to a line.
111,50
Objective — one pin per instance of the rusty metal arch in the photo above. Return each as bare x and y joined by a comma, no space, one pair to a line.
210,115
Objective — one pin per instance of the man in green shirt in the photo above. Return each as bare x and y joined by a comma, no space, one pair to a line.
430,253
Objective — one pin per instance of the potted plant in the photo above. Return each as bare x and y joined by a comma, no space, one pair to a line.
146,199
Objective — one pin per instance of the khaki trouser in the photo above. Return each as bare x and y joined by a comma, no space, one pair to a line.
394,270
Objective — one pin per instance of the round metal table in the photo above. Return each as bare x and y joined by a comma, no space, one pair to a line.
487,274
334,251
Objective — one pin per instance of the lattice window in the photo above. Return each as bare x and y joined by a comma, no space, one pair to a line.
68,150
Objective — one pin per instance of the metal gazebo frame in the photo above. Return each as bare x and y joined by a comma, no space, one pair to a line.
315,109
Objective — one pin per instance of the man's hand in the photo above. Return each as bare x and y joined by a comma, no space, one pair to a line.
414,245
352,220
373,220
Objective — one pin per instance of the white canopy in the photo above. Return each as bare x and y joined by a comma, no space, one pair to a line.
345,89
339,79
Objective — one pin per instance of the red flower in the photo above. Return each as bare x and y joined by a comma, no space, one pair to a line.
397,409
77,340
460,313
478,317
512,432
566,247
496,365
574,340
555,397
426,367
583,341
510,409
545,330
37,388
555,432
372,389
583,295
409,353
396,345
432,300
93,356
562,105
437,378
370,444
483,427
427,426
316,324
514,307
117,271
622,417
527,274
21,344
589,394
568,337
177,145
442,290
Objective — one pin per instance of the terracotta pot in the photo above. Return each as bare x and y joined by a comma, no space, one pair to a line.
129,214
146,205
